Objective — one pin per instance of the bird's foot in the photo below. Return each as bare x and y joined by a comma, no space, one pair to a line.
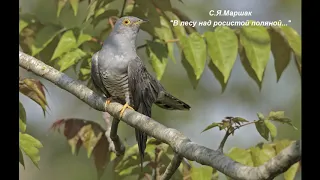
124,108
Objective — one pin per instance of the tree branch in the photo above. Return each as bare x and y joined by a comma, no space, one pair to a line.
115,144
179,143
172,167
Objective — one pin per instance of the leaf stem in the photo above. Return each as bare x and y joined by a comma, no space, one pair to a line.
230,131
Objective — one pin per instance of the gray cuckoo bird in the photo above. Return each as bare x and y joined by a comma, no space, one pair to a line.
119,73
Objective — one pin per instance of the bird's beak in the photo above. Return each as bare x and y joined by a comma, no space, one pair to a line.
142,21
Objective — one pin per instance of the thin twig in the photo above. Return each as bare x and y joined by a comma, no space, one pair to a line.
118,146
172,167
123,7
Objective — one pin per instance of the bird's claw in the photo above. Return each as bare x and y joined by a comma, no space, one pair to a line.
108,101
126,106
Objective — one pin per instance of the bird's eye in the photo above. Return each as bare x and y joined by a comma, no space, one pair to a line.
126,22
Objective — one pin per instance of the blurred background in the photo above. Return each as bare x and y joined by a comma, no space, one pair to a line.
242,96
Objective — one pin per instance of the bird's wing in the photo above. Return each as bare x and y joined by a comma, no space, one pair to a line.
96,75
146,89
143,87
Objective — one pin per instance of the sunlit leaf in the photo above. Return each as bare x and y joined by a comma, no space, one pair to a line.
21,160
290,174
222,49
194,49
262,155
91,9
30,146
242,156
43,38
70,59
34,89
246,64
279,117
211,126
158,55
179,31
61,4
190,72
22,118
74,4
165,33
201,173
294,41
22,25
262,129
256,42
68,41
272,129
281,52
184,17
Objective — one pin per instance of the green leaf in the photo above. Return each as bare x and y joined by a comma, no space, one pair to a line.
190,72
246,64
242,156
239,120
179,31
30,146
22,25
256,42
61,4
164,32
291,172
43,38
74,4
272,129
158,54
293,39
222,49
194,49
91,9
83,38
279,117
262,155
281,52
211,126
21,160
85,69
22,118
201,173
262,129
89,138
68,42
219,76
34,89
70,59
260,116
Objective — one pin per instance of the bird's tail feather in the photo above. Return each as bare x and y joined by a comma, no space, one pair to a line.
169,102
141,136
142,139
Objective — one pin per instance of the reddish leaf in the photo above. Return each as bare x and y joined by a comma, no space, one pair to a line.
34,89
88,134
101,155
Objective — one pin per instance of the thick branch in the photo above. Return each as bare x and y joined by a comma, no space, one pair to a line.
179,143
